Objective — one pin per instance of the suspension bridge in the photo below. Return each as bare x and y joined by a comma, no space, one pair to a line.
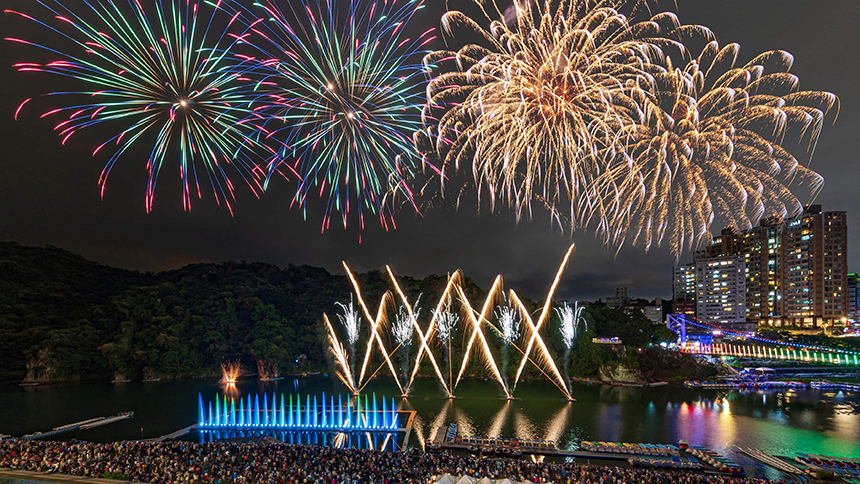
751,346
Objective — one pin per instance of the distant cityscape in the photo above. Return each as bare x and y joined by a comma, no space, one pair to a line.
791,272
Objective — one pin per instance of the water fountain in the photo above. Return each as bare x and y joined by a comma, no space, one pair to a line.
367,416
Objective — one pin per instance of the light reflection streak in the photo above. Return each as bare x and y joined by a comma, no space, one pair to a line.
498,421
558,424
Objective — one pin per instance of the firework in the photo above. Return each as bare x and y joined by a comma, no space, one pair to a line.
160,74
351,321
509,324
535,337
230,371
444,321
375,338
405,322
509,331
570,317
404,327
343,363
446,324
711,147
342,89
537,110
477,333
579,108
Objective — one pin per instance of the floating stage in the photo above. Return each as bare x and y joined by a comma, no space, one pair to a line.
364,421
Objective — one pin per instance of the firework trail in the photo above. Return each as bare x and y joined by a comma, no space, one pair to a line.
162,75
509,331
351,321
341,92
569,319
579,108
345,368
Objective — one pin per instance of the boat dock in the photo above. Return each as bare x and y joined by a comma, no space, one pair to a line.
177,434
770,460
82,425
683,457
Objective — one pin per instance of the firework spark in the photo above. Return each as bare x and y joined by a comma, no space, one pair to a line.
375,338
345,369
342,91
477,333
162,75
544,355
447,326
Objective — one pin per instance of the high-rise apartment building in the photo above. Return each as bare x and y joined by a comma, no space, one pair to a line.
720,290
684,290
795,269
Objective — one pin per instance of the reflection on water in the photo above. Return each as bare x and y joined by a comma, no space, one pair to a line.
780,422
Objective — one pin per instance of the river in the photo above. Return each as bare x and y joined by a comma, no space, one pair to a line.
779,422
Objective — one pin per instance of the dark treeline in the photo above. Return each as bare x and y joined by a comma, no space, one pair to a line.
65,318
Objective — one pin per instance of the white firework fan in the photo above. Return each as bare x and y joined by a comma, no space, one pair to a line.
351,320
510,323
446,324
404,324
570,318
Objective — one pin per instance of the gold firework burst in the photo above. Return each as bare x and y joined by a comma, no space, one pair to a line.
579,107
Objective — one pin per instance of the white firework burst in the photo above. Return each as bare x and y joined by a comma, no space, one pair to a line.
509,322
570,318
351,320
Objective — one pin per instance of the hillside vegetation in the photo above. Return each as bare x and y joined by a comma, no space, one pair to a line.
65,318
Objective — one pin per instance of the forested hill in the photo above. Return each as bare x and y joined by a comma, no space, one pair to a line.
63,317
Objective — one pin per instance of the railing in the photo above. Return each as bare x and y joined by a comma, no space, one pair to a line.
771,353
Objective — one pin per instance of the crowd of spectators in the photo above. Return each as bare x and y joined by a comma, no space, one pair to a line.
266,462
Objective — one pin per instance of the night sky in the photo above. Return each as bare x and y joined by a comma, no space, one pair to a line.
49,193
